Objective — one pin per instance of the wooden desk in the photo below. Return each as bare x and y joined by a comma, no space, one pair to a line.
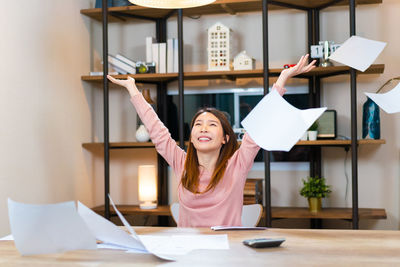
302,247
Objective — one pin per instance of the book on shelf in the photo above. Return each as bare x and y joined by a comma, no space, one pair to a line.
170,55
162,57
176,56
121,66
126,60
155,55
100,73
149,49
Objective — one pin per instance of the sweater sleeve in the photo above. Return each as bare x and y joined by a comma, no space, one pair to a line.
159,134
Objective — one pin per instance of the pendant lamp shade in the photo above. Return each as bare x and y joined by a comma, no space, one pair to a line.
171,4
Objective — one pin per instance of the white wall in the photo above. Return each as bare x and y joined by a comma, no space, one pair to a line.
44,113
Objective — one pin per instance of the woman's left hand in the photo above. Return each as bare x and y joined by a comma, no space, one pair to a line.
301,67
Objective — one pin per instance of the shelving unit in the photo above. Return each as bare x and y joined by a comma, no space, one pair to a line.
159,16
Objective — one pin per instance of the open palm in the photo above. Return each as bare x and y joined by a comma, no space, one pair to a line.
301,67
129,84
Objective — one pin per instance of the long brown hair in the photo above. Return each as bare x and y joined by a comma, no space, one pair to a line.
190,176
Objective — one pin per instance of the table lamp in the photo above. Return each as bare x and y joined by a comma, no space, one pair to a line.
147,186
171,4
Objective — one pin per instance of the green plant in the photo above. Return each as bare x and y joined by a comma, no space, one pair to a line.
315,187
314,126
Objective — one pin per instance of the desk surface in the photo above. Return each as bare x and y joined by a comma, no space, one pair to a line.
302,247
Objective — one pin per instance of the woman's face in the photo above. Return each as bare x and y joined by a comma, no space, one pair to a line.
207,134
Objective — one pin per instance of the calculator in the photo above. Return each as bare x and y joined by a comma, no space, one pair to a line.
264,242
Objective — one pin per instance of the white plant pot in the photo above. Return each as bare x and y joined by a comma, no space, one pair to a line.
142,135
304,137
312,135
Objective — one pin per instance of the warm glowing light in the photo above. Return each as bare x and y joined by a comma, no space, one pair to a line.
147,186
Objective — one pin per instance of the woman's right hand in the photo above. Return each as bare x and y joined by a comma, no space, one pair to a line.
129,84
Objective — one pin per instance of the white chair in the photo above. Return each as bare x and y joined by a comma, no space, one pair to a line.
251,214
175,211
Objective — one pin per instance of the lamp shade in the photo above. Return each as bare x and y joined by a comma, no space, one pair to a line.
171,4
147,186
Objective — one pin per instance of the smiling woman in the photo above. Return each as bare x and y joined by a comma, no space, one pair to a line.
212,142
213,172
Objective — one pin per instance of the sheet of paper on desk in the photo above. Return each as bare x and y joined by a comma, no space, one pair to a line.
106,231
389,102
7,237
275,125
358,53
183,244
50,228
112,235
160,255
228,228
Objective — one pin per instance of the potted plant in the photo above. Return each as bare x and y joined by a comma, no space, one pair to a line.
314,189
312,131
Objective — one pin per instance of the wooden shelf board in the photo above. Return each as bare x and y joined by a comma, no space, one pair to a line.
91,146
135,210
277,212
232,75
116,145
218,7
326,213
341,142
149,77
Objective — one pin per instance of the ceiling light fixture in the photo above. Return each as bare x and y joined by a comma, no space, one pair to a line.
171,4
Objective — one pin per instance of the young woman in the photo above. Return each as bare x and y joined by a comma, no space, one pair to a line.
213,172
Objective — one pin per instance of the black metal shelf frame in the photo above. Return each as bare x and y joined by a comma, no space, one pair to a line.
314,89
314,93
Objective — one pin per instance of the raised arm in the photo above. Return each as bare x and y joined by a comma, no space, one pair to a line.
286,74
159,134
248,149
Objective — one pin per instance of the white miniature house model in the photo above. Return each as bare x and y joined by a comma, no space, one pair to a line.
243,62
219,46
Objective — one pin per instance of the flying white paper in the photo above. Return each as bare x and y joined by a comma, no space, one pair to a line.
389,102
275,125
358,53
50,228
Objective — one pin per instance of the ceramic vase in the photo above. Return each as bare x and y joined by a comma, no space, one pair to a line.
371,126
142,135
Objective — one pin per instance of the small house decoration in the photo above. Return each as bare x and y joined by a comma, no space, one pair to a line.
243,62
219,46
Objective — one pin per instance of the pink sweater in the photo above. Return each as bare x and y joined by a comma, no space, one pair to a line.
220,206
